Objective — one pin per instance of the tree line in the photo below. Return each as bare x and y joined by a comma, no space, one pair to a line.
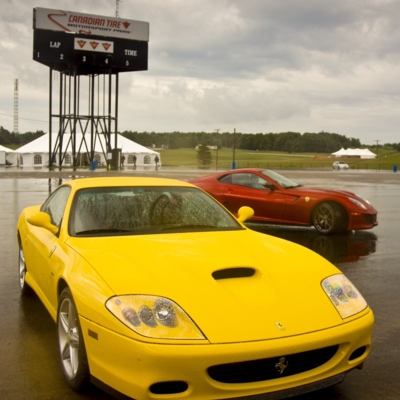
291,142
8,138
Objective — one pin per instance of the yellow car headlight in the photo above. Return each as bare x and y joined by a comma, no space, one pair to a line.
344,295
154,317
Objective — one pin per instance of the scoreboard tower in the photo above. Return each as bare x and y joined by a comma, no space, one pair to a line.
95,48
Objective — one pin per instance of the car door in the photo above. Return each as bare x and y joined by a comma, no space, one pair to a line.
248,189
46,250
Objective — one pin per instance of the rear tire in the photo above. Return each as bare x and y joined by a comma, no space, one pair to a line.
71,347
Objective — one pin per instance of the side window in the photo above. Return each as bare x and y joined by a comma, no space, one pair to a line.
55,204
68,159
226,179
240,179
249,180
256,182
37,159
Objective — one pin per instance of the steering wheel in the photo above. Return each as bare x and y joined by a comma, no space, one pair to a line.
165,210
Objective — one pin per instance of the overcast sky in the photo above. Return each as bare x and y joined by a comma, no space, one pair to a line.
250,65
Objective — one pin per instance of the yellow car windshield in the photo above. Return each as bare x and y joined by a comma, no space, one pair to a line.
107,211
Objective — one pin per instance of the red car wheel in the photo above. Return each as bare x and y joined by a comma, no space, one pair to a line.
328,218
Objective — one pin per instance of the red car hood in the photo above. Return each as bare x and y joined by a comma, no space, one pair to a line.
323,192
330,194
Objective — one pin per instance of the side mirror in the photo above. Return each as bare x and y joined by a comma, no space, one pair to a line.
43,220
245,213
269,186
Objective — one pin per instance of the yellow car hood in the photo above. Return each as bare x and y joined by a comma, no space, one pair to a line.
282,297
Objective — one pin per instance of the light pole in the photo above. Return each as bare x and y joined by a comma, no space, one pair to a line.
234,144
377,148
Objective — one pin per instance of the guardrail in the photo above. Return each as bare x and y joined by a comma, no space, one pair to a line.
305,165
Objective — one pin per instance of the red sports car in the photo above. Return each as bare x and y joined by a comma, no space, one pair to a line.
278,200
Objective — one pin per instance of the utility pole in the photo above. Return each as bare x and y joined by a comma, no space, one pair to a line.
117,8
377,148
15,105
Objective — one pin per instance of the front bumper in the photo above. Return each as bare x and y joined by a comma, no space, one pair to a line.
135,368
360,221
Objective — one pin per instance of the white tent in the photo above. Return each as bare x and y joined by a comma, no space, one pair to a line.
7,154
340,153
365,153
36,153
361,153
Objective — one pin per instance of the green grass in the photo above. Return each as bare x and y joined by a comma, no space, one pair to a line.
247,159
386,159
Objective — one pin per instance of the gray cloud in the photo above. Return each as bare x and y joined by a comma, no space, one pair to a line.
257,66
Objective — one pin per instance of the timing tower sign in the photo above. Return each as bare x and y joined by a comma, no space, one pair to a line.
72,22
67,41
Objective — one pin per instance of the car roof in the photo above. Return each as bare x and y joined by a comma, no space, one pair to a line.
124,181
244,170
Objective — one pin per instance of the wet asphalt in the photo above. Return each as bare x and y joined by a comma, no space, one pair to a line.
29,366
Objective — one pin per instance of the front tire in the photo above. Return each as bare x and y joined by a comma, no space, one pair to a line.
71,347
24,287
328,218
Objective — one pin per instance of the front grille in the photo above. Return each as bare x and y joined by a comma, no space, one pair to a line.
268,368
370,219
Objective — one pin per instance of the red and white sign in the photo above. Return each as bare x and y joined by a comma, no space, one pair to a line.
67,21
99,46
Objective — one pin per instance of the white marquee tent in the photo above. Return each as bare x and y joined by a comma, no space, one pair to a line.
361,153
36,153
7,154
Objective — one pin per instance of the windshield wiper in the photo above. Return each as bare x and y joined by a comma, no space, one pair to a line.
293,186
184,227
103,230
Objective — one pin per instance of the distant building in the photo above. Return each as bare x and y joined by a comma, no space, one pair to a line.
209,147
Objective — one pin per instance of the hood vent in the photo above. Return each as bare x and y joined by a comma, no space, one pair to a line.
229,273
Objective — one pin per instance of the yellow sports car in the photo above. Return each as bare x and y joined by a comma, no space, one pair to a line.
158,292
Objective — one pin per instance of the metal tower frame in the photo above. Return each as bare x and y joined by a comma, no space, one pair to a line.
100,117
